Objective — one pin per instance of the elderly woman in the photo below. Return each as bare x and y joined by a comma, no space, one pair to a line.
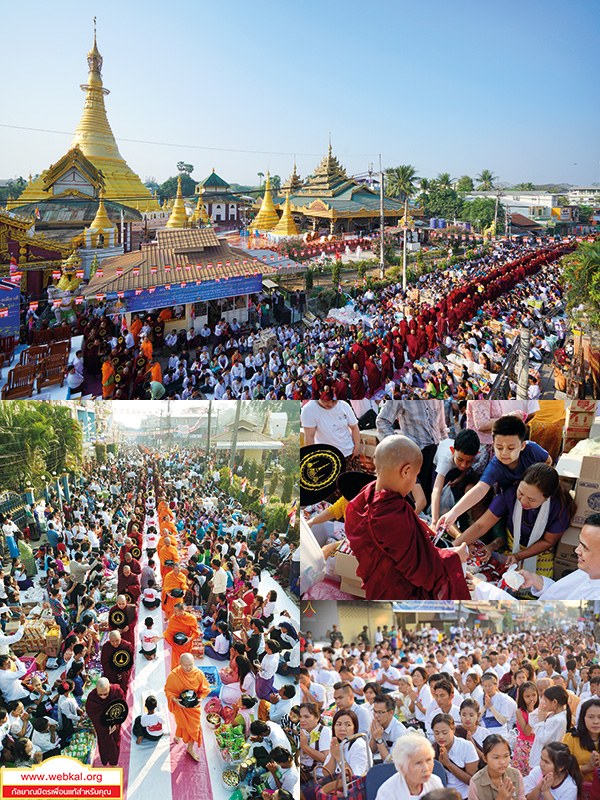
404,702
413,757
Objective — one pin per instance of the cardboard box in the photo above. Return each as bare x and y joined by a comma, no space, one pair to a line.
580,419
569,465
587,495
345,566
41,660
351,587
569,539
563,567
577,406
12,626
51,651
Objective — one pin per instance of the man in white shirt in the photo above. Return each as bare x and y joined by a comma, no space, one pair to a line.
10,681
311,692
385,728
499,710
344,700
331,421
219,578
387,677
8,639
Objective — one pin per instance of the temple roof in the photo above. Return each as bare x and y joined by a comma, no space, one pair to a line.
170,255
75,211
293,183
329,178
72,158
214,181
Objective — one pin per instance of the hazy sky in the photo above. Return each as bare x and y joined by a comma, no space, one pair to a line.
446,86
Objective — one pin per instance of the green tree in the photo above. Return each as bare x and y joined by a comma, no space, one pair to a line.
261,175
100,448
444,203
336,271
486,180
308,279
251,470
480,212
585,214
362,269
525,187
443,181
169,188
581,275
274,482
288,488
185,168
465,184
260,476
275,183
400,181
424,185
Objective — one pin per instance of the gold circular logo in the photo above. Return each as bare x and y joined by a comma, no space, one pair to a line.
121,659
319,470
136,552
117,617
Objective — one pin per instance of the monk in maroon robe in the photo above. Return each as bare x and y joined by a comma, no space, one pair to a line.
387,367
422,342
373,376
398,354
341,388
396,556
413,346
357,385
111,665
129,583
109,736
125,620
360,356
127,560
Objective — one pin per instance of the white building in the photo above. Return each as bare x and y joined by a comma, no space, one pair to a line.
584,196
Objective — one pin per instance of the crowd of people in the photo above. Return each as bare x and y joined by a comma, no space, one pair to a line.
149,560
447,336
484,714
476,496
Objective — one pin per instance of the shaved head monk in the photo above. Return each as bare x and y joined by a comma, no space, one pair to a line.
182,625
187,678
116,657
106,707
397,559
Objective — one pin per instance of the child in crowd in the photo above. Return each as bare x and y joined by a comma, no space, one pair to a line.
148,639
453,462
150,725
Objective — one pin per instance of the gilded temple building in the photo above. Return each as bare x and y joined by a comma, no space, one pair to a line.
331,202
93,160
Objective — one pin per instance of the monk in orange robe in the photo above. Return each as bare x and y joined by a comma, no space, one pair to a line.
186,677
135,328
175,579
156,372
146,350
166,552
108,379
181,622
167,525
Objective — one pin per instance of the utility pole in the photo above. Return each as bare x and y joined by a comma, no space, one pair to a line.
496,210
236,424
523,368
208,434
381,223
404,246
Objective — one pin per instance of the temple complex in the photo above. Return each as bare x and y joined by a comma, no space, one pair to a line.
331,202
94,139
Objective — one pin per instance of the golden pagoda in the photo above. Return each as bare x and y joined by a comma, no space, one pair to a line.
199,214
178,218
267,218
101,220
97,143
293,183
286,225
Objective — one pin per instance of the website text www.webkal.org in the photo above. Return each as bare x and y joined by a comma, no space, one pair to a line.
59,784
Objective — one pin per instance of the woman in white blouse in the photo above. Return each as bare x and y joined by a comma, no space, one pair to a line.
356,757
267,669
553,719
420,695
246,683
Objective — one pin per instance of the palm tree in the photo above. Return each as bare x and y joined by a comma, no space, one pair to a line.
424,185
581,273
400,181
486,180
444,181
261,175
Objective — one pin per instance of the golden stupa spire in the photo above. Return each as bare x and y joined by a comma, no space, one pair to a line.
101,220
178,216
200,214
96,141
267,218
286,225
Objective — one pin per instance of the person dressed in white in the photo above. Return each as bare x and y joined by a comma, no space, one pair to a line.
331,421
355,752
551,724
552,775
11,638
10,680
458,756
499,710
413,758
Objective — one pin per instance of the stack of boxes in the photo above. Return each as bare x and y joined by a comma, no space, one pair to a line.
53,642
368,442
580,418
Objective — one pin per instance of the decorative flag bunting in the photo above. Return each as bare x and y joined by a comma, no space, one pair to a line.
79,299
167,268
292,514
244,484
79,273
138,292
219,264
151,289
183,284
100,297
167,285
33,306
153,270
37,213
16,277
119,272
120,295
136,272
56,303
230,477
4,312
56,274
13,264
